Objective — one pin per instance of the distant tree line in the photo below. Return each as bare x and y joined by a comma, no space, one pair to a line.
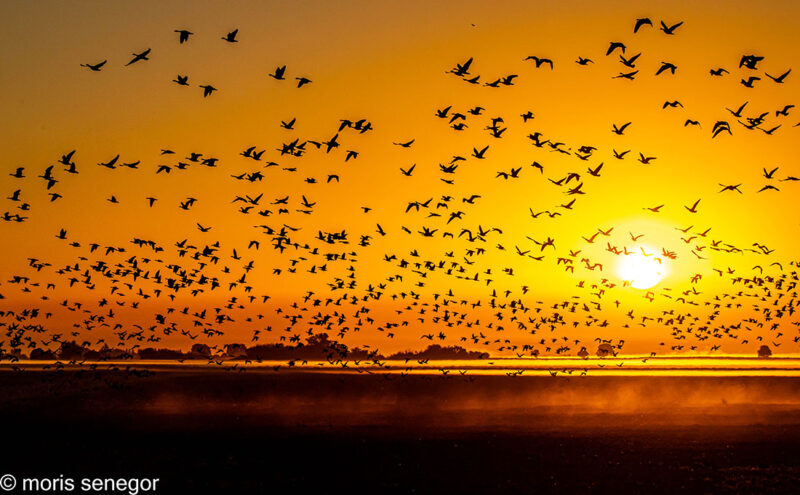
318,347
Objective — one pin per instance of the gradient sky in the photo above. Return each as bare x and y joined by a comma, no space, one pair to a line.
386,62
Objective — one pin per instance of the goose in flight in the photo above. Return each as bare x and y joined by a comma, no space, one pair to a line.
279,72
183,35
207,89
95,67
231,37
670,29
139,56
780,78
644,21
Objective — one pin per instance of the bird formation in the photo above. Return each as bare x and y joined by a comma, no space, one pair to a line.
183,80
443,273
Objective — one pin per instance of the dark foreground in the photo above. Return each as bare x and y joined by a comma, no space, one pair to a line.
261,432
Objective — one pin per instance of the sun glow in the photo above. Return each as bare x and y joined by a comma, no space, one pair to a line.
642,268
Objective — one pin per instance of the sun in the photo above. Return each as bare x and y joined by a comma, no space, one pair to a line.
642,268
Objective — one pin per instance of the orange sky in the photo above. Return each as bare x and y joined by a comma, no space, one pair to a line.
386,62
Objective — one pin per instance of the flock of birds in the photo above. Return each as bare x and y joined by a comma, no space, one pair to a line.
183,80
510,318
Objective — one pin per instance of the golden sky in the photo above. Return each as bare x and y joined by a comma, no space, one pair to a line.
388,63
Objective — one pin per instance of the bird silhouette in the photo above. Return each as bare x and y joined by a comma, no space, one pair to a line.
462,69
750,81
629,62
139,56
670,29
95,67
621,129
644,21
666,66
693,208
410,170
539,61
614,45
278,74
183,35
780,78
207,89
231,36
627,75
730,187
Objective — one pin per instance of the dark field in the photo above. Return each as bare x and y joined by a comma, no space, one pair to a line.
264,432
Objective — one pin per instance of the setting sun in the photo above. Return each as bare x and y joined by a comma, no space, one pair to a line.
641,268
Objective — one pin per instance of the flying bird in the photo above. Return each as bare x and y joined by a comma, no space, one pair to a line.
207,89
670,29
626,75
408,172
613,46
644,21
780,78
730,187
95,67
667,66
748,83
629,62
139,56
278,73
621,129
539,61
183,35
750,61
645,159
231,37
462,69
693,209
